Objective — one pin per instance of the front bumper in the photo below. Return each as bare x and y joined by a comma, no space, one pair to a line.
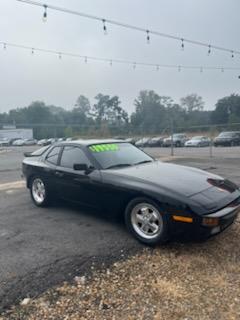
222,142
198,230
191,145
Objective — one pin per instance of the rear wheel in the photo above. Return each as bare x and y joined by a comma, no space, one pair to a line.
39,192
145,221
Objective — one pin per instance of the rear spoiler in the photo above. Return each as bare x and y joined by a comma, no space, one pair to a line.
28,154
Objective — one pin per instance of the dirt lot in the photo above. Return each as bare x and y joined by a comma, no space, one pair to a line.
124,281
178,281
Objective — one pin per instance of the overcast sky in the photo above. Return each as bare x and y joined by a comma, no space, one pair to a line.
25,78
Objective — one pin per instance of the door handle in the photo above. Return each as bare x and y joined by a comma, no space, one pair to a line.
82,179
59,174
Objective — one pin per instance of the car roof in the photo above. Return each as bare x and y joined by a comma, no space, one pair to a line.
89,142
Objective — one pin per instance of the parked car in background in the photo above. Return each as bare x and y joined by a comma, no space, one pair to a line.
12,140
51,141
227,138
143,142
155,142
18,143
131,140
4,142
198,141
29,142
42,142
178,139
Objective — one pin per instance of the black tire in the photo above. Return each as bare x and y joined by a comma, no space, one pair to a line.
46,198
178,144
159,238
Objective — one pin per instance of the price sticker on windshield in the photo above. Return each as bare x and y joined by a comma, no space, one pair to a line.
104,147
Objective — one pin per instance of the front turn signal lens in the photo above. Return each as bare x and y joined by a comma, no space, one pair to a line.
210,222
183,219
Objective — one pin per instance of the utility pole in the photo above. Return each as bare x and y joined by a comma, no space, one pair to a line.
172,131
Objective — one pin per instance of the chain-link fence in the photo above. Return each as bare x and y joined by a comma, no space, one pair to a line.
198,140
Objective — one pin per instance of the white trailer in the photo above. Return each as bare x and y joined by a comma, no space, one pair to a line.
16,133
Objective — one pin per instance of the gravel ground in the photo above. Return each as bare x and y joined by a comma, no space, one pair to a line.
179,281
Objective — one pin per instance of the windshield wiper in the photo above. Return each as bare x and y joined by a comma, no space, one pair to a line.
119,165
141,162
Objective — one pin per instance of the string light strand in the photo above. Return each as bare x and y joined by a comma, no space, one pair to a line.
86,58
129,26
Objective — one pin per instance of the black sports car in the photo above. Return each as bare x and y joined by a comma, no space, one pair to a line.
158,199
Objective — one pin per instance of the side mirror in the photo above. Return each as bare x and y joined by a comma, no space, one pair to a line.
83,167
80,167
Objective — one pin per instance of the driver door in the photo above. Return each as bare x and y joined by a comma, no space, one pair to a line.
75,185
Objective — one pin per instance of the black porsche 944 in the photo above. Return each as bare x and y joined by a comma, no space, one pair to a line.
158,200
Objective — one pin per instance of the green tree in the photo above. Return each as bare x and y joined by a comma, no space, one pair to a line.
192,102
227,110
83,105
150,114
108,109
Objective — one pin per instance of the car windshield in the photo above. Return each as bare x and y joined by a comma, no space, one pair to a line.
197,138
227,134
113,155
178,135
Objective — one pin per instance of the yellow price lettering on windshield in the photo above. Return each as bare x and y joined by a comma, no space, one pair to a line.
104,147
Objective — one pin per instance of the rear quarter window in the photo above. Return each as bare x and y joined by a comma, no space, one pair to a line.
52,156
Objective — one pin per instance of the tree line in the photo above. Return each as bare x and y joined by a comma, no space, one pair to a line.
153,114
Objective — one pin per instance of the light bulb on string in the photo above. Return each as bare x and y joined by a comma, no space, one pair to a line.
45,13
232,54
148,37
209,50
157,68
32,52
110,63
104,27
59,55
85,59
179,69
4,46
182,45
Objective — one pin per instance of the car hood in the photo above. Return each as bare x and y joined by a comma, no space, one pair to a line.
187,184
193,141
185,180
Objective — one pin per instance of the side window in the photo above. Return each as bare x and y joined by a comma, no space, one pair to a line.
52,156
73,155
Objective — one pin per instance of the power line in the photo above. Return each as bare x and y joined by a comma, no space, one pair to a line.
146,31
110,61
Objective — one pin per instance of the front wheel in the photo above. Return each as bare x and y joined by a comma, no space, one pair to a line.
145,221
39,192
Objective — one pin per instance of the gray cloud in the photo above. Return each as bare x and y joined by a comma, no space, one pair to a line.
24,78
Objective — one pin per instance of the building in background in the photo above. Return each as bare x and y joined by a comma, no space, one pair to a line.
12,133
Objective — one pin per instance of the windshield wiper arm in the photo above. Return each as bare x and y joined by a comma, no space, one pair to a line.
144,161
119,165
